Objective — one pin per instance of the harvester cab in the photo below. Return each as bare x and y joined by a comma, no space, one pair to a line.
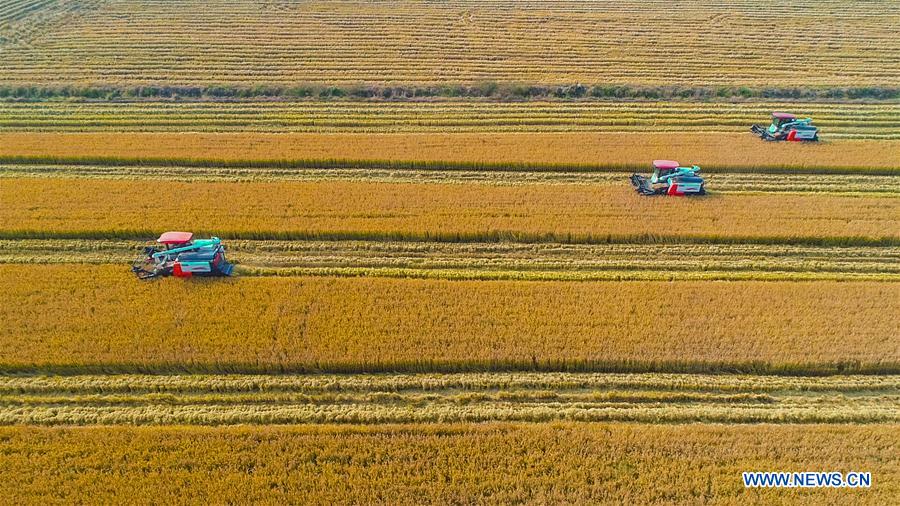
670,178
179,254
786,127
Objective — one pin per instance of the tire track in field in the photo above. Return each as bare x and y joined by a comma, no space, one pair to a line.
488,261
841,184
430,398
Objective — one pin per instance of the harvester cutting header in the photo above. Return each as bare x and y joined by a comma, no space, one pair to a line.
179,254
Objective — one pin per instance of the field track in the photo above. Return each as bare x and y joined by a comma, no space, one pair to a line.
487,261
412,464
66,318
493,151
428,398
879,120
723,182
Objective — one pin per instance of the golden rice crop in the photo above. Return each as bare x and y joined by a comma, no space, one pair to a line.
444,464
839,120
493,150
214,42
341,209
82,318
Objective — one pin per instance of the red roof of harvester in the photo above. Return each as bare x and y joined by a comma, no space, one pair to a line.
175,237
665,164
783,115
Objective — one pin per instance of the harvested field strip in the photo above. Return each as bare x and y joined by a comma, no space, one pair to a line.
406,398
93,208
141,42
839,120
721,182
499,463
67,318
490,151
141,384
541,261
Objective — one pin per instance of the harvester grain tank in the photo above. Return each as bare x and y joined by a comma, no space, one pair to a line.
179,254
670,178
786,127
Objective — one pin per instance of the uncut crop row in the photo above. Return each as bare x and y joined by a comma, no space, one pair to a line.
66,318
545,151
440,464
538,261
838,120
801,43
60,208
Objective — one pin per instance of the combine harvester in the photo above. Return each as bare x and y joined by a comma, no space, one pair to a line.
669,178
786,127
178,254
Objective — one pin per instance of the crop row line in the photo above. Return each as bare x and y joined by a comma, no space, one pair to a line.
495,261
722,182
337,163
67,319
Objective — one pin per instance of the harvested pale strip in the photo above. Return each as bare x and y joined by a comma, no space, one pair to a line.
559,463
534,261
838,120
214,42
82,318
127,384
602,150
466,397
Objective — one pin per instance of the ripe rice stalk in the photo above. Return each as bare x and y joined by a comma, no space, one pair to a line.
621,152
342,210
410,464
66,318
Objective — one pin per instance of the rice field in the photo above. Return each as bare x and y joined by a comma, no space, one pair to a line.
446,290
841,120
443,398
140,42
69,318
499,261
723,182
598,152
70,208
431,398
447,463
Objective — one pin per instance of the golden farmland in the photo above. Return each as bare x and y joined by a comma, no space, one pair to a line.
40,207
842,120
70,318
445,289
139,42
464,397
545,261
596,151
415,464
